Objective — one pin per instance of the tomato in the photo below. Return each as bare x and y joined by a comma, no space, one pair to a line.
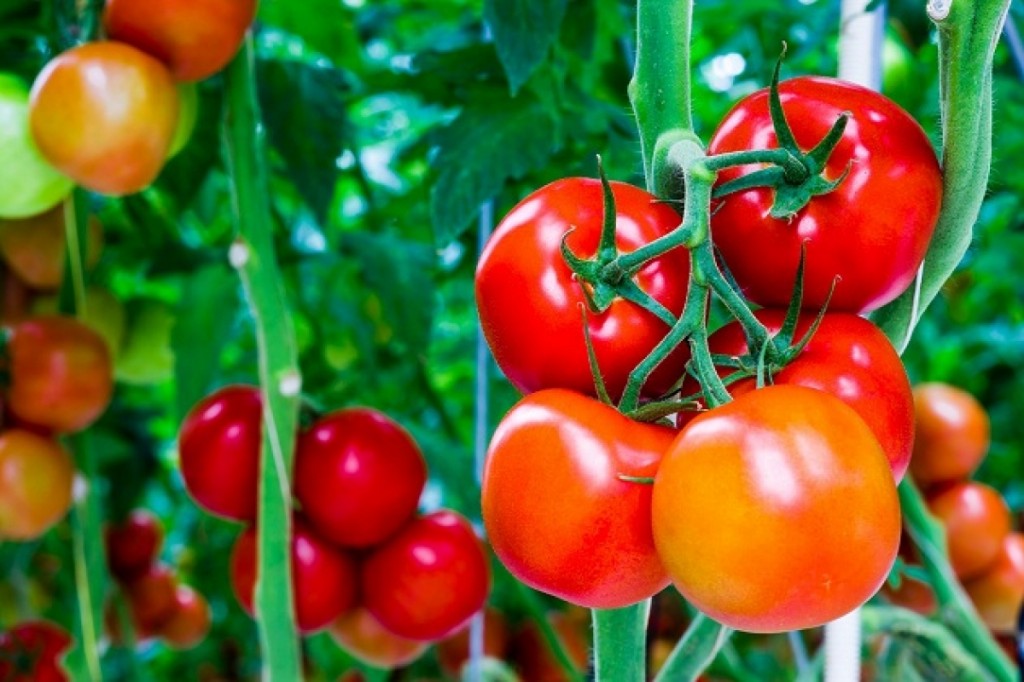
147,354
188,95
133,545
60,373
872,231
190,622
533,657
952,434
758,502
31,185
556,512
31,652
35,247
453,651
104,114
358,476
529,300
851,359
219,450
429,579
36,478
152,598
913,594
195,38
323,576
977,521
999,592
362,635
102,313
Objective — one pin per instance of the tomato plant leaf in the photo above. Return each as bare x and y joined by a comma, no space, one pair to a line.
326,26
524,31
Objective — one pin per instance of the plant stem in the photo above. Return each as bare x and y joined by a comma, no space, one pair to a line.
619,643
556,646
253,255
695,651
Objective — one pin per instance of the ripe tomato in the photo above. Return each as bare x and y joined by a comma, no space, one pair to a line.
104,114
747,514
453,651
999,592
528,298
429,579
362,635
60,373
195,38
190,622
323,576
977,521
152,597
872,231
36,477
35,247
358,476
556,512
851,359
533,658
133,545
219,451
952,434
31,652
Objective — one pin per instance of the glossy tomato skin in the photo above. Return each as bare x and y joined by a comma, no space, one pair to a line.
104,114
953,434
429,579
361,634
529,302
194,38
977,522
872,231
556,512
358,476
758,502
219,450
848,357
36,479
31,652
133,545
190,622
999,592
35,247
61,373
324,577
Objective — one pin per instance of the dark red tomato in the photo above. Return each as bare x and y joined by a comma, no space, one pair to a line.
453,651
104,114
31,652
358,476
219,450
133,545
36,479
528,300
532,655
999,592
323,576
758,502
872,231
362,635
152,598
556,512
190,623
195,38
60,373
35,247
851,359
952,434
977,522
429,579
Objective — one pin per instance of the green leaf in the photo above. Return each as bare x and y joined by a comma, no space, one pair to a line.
184,175
324,25
524,31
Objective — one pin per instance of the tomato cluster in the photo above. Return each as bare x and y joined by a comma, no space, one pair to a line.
364,563
31,652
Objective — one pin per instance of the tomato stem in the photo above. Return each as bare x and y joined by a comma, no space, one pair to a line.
619,643
695,650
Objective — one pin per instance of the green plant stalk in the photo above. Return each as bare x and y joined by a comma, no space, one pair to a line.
695,651
280,382
548,633
620,637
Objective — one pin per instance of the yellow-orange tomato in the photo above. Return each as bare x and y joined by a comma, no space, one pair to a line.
362,635
999,592
36,476
35,248
952,434
976,519
105,114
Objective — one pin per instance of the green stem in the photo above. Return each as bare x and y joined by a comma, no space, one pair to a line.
538,613
695,651
619,643
253,255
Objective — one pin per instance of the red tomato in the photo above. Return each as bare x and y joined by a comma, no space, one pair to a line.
60,373
35,248
453,651
362,635
913,594
758,502
153,601
556,512
323,577
133,545
429,579
533,657
31,652
104,114
999,592
190,623
219,450
36,478
195,38
952,434
851,359
872,231
977,521
358,477
528,299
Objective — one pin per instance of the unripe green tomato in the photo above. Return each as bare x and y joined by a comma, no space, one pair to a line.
146,355
899,78
29,184
103,313
189,98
